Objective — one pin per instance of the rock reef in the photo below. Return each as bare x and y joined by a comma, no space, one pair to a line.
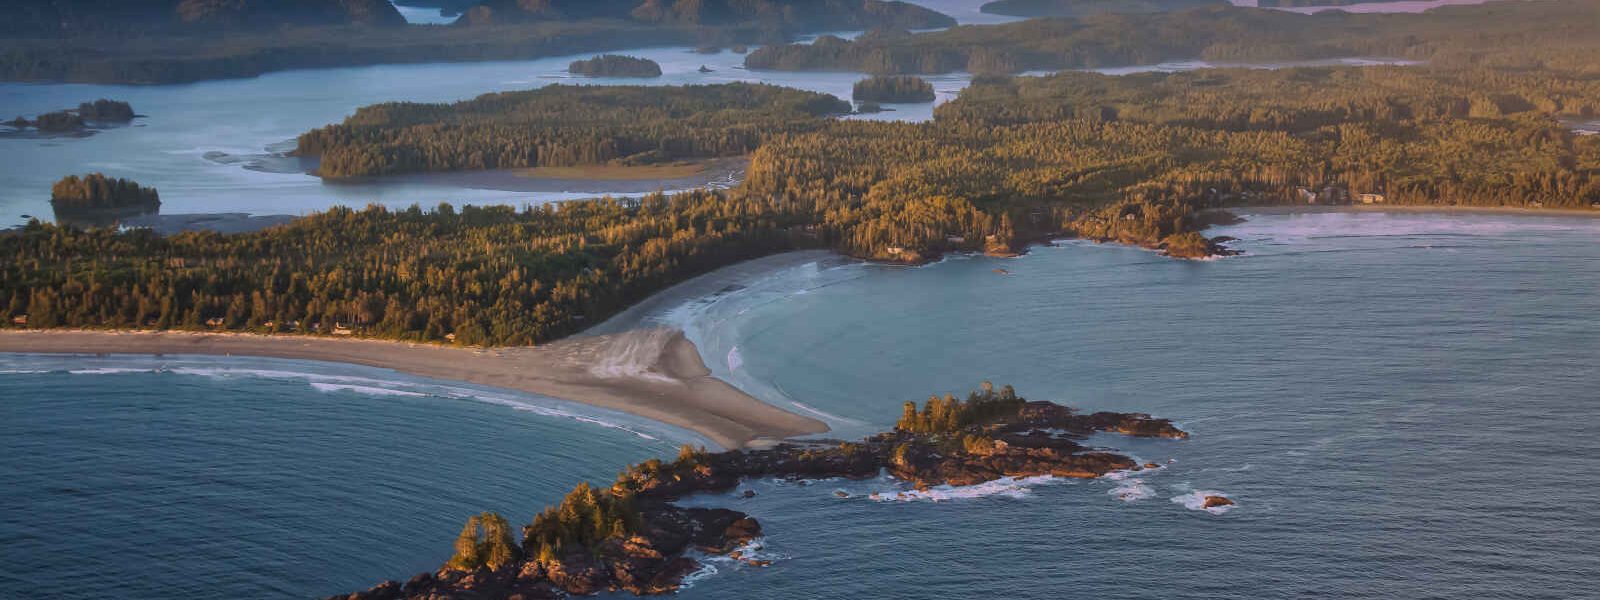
632,537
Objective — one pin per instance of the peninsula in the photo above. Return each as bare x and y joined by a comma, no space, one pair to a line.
631,537
655,373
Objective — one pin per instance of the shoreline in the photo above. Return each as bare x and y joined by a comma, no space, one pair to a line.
652,373
1409,208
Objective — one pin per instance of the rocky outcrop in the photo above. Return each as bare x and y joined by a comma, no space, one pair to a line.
989,437
1216,501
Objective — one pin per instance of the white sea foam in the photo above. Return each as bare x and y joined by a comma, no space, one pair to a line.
1132,490
735,360
826,416
1196,500
110,371
1008,487
362,389
549,411
22,371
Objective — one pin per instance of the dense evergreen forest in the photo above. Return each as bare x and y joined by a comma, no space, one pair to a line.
1081,8
1132,159
565,126
1503,33
892,88
613,65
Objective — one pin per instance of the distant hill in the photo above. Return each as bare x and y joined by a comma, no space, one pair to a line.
88,17
807,15
1080,8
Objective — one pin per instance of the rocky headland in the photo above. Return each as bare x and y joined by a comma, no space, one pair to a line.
632,537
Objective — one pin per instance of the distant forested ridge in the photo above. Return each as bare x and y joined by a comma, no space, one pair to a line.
98,17
1080,8
1557,33
790,15
565,126
165,41
1309,3
612,65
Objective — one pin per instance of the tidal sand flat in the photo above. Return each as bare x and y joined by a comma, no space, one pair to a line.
653,373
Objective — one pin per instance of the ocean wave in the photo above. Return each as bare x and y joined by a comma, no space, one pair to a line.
735,360
22,371
1132,490
549,411
363,389
826,416
111,371
1019,487
1196,500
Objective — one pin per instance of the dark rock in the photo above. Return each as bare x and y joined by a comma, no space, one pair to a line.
1215,501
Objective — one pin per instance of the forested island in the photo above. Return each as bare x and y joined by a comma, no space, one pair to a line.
173,41
565,126
1081,8
613,65
96,191
892,89
99,112
632,537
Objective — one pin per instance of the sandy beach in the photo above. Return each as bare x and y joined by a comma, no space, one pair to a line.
653,373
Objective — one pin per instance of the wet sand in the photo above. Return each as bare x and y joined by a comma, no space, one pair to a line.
653,373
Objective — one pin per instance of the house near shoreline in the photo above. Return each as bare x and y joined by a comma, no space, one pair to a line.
20,320
1372,198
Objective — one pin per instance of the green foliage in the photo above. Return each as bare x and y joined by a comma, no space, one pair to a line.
479,276
565,125
485,541
584,518
98,191
949,415
614,65
893,88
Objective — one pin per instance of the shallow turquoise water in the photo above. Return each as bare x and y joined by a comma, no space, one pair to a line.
1401,404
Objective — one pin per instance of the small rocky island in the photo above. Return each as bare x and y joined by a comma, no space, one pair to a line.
632,537
892,89
615,65
99,112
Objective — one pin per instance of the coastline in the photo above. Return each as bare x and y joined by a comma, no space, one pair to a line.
652,373
1410,208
